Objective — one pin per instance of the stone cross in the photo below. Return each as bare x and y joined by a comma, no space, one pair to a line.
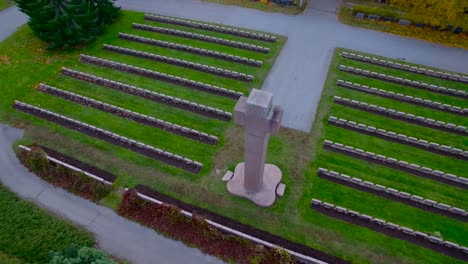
253,179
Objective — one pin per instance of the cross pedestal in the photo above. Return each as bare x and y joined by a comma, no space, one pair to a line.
253,179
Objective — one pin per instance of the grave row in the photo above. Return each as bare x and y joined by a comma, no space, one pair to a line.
122,112
191,49
404,98
406,67
161,76
401,165
221,29
410,118
187,64
154,96
405,82
394,194
152,152
190,35
392,229
400,138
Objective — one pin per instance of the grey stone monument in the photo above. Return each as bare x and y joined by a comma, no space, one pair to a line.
253,179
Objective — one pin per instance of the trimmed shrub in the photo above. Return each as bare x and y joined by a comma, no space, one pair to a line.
376,11
60,176
85,255
195,231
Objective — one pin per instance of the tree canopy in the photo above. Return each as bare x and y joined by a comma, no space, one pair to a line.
66,23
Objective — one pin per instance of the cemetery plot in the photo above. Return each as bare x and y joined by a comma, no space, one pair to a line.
139,147
180,81
393,194
391,229
377,132
406,67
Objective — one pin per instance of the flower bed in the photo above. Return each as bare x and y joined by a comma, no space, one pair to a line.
60,176
169,220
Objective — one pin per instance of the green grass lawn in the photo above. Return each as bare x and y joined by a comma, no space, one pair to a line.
396,212
28,234
16,64
5,4
25,63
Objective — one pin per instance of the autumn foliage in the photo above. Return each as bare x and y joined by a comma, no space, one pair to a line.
435,12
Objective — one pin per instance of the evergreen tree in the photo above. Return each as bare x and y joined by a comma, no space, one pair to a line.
66,23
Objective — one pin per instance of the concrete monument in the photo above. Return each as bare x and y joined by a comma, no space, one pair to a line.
253,179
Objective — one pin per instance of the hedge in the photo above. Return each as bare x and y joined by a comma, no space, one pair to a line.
60,176
195,231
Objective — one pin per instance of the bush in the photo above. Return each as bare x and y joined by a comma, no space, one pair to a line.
28,233
376,11
85,255
58,175
195,231
68,23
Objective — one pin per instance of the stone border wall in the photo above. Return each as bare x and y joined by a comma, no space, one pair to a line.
399,138
150,95
406,67
201,37
400,165
183,63
213,89
404,98
401,232
393,194
405,82
125,113
399,115
210,27
124,142
193,50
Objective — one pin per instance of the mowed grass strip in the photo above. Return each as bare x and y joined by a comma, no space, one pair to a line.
210,33
130,129
396,88
190,74
449,229
140,105
404,74
28,233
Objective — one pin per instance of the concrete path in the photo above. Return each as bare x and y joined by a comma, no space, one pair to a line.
10,19
298,75
116,235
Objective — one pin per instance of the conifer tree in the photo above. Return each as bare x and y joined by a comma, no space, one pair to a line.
67,23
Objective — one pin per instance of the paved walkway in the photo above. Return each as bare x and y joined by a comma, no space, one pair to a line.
116,235
10,19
